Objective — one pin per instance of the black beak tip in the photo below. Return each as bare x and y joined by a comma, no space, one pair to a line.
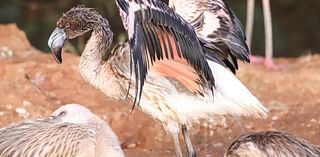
56,53
58,61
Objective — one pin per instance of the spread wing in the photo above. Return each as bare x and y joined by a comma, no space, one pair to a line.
45,138
160,39
219,29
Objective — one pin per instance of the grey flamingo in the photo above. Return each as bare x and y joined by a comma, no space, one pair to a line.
177,78
71,131
271,144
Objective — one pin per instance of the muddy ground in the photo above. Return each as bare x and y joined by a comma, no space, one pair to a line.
33,85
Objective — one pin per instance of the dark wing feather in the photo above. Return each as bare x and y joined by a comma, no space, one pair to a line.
150,23
232,38
226,41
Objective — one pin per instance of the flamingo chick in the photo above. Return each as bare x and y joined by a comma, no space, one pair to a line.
174,82
71,131
271,144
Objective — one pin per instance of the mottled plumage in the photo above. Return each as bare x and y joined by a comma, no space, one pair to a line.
218,27
71,131
271,144
156,33
175,91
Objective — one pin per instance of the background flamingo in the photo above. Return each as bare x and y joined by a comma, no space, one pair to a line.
268,61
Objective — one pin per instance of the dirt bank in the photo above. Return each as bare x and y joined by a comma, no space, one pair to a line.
32,85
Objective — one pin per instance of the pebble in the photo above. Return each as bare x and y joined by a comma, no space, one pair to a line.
275,118
21,110
313,120
9,106
218,144
26,103
249,126
5,52
2,113
131,145
205,125
211,133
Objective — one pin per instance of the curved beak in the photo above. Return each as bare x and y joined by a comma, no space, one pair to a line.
56,41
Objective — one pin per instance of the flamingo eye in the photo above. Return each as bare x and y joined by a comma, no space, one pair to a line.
67,25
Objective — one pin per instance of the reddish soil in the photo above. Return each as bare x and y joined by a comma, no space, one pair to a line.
33,85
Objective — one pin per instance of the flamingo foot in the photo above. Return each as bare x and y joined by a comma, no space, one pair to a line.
256,59
269,64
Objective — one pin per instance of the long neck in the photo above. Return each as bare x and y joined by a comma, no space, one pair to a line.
107,143
99,43
104,75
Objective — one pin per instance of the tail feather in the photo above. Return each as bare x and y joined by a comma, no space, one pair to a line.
231,96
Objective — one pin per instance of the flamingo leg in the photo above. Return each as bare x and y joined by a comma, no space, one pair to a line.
177,144
250,21
186,136
268,35
249,30
268,61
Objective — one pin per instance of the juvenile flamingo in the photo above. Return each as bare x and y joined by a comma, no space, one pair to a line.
271,144
177,79
72,130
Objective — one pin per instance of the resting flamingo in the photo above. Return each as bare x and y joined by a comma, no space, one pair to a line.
271,144
72,130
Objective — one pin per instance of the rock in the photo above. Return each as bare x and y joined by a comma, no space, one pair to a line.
11,36
131,145
275,118
2,113
21,110
26,103
5,52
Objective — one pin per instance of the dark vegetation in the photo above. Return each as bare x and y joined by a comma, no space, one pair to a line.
296,23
